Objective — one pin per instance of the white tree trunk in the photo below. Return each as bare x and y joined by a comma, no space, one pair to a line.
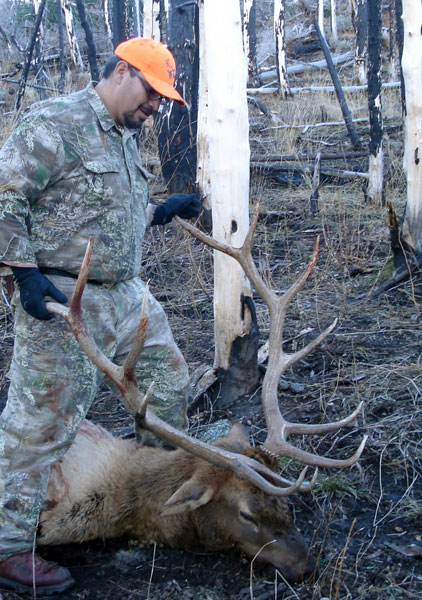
109,31
376,177
412,74
280,44
203,175
321,16
73,42
228,133
151,19
333,20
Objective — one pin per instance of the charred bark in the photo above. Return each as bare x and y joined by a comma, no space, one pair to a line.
242,375
92,53
375,188
400,41
249,40
177,125
120,22
280,43
31,46
361,39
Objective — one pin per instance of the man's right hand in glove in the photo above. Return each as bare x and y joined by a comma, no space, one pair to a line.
33,287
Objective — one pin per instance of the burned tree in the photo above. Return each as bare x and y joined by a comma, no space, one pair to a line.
92,55
412,74
29,54
176,124
280,43
376,160
120,22
361,24
249,40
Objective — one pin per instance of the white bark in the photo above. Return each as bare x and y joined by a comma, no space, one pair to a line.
376,177
333,21
73,42
203,175
107,21
412,74
228,133
321,16
280,44
151,19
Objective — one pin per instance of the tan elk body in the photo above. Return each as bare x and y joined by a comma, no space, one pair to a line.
105,487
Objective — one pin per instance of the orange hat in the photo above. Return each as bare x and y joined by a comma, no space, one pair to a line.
155,62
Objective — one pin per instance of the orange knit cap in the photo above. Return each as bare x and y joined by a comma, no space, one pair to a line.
154,61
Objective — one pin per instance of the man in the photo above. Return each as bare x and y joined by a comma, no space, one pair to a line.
71,169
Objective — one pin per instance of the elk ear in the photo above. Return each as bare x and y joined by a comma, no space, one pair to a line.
190,496
236,441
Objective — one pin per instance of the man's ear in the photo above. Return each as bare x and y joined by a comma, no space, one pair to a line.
119,70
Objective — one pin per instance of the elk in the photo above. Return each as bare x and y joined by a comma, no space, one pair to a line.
225,495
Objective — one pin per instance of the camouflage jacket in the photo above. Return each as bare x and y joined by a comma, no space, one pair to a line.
68,172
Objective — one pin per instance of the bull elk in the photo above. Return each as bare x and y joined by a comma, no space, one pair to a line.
225,495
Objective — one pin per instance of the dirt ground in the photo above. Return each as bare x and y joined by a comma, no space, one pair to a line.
365,523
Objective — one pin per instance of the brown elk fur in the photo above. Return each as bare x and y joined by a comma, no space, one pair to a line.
106,487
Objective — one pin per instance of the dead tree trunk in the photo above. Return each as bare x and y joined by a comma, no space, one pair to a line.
400,42
280,44
29,54
107,24
39,61
333,20
120,22
228,134
137,18
92,53
176,124
249,40
376,158
61,47
203,175
412,73
354,138
152,19
361,40
321,17
73,42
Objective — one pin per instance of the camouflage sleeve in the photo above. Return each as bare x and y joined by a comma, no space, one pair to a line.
28,161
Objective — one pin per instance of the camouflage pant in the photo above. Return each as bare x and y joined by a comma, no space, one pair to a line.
53,384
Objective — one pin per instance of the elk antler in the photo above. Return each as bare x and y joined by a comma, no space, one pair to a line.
279,361
124,377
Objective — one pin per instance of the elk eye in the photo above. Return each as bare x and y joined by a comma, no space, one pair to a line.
248,518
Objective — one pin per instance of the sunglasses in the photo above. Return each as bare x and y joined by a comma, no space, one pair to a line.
152,94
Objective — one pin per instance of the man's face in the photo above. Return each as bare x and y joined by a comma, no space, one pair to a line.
135,105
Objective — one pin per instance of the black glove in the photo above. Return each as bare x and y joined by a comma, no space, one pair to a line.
33,287
186,206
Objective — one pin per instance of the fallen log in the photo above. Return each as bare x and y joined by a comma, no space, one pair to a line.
302,67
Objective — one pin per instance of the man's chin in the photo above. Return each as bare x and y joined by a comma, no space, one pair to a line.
132,122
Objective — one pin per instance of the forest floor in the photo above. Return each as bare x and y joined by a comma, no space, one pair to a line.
365,523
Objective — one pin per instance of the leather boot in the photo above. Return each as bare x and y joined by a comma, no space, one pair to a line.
19,572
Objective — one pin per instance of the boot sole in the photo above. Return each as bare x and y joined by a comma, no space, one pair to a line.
47,590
